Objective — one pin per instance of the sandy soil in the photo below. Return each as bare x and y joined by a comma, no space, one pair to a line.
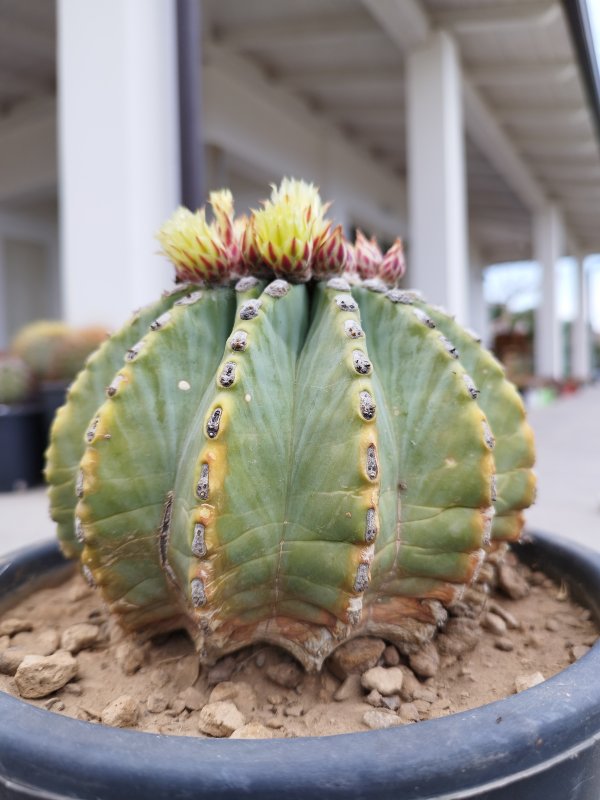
160,686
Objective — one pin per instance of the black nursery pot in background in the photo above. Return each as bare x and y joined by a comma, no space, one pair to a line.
52,395
22,444
542,744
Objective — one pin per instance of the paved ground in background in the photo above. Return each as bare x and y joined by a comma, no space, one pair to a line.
568,467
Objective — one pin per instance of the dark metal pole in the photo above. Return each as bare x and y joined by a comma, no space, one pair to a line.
189,64
583,41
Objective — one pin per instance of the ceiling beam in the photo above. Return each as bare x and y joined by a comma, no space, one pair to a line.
389,79
548,116
560,146
474,19
405,22
261,122
317,30
408,26
557,72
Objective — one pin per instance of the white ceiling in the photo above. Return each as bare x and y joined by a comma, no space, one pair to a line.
339,57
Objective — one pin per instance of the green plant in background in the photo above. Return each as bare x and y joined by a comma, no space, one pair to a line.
286,448
53,350
15,379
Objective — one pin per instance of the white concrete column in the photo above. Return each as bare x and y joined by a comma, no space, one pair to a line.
118,146
548,246
478,318
582,345
436,174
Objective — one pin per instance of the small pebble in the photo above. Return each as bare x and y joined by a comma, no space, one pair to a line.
423,693
177,706
253,730
373,698
129,657
55,703
494,623
222,671
47,642
356,656
39,676
10,660
220,719
79,637
12,625
156,703
239,692
512,582
392,702
410,685
349,689
504,643
505,614
378,719
294,710
288,675
260,662
193,698
391,656
409,712
73,688
422,706
552,625
121,713
386,681
578,651
426,661
523,682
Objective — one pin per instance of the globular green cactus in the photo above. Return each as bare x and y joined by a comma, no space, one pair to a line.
55,351
15,379
38,345
287,448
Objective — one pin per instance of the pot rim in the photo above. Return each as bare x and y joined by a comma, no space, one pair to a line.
458,755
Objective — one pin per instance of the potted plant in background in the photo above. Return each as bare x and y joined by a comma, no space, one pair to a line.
21,449
288,449
54,352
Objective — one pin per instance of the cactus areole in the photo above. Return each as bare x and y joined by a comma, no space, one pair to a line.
286,448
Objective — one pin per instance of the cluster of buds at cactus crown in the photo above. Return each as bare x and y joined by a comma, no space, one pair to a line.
300,455
289,237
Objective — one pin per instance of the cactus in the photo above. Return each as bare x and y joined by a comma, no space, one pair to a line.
53,350
38,345
75,348
15,379
300,456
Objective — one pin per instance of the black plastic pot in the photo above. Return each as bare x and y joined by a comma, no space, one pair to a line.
21,447
543,744
53,395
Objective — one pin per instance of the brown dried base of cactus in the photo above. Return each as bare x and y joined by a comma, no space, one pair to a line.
473,660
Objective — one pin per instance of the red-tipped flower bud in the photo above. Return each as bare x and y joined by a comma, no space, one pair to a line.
330,253
393,266
368,256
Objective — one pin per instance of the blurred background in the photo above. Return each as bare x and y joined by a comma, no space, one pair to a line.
469,127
